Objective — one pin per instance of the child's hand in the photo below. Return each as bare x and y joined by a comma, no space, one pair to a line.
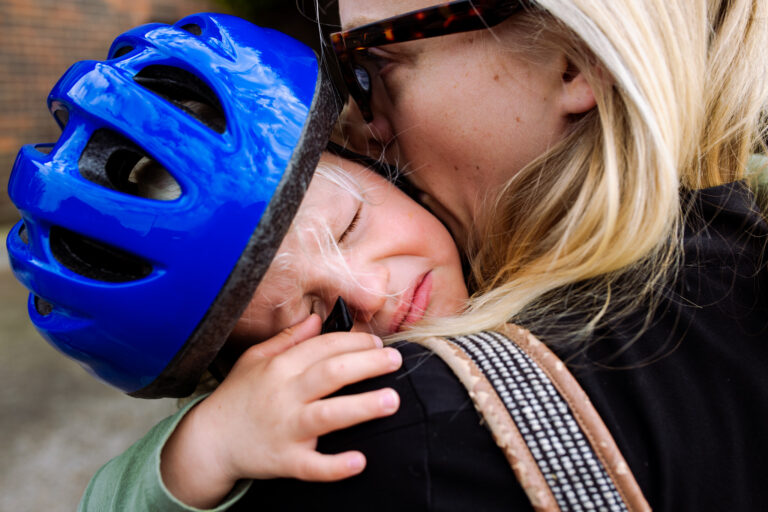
263,421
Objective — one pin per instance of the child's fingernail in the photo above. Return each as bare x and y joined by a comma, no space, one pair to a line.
378,341
356,462
389,400
395,357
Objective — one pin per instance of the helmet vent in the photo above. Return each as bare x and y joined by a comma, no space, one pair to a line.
42,306
123,50
61,114
193,29
44,148
23,235
187,91
96,260
115,162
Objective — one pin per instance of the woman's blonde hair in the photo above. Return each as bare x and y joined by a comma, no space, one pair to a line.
591,229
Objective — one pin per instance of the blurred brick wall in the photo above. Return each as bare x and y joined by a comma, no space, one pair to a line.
39,40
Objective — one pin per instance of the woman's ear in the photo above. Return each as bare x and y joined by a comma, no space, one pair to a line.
578,96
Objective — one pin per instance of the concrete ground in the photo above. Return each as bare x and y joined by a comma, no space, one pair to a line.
58,424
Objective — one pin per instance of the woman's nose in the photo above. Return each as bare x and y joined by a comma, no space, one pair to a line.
372,139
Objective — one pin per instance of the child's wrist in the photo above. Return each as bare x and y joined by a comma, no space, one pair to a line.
190,465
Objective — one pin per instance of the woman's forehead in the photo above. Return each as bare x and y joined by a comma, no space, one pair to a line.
354,13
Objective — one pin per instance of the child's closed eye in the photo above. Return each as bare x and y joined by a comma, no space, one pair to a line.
352,224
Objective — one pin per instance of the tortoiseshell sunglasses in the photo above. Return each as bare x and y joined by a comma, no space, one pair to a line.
351,46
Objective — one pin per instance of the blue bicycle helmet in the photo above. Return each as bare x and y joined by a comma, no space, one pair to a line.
143,291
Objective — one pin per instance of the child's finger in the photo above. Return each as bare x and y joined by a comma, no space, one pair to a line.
323,416
333,373
318,467
287,338
330,345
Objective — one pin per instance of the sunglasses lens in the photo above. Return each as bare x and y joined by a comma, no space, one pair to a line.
363,79
359,69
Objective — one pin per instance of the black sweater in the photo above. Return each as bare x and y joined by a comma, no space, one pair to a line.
687,403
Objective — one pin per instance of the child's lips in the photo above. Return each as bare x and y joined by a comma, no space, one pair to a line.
413,303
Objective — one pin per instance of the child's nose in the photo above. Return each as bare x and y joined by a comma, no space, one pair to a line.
369,293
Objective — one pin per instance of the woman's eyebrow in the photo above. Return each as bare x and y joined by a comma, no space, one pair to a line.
356,22
360,20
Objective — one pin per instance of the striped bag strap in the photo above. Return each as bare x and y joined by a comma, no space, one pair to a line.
558,446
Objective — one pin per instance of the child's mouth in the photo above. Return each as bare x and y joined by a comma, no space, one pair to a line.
414,303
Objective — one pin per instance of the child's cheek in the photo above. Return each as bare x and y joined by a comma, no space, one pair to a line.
416,224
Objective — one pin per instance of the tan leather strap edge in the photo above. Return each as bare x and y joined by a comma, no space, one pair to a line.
500,423
585,414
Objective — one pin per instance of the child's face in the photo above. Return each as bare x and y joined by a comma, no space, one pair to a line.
392,261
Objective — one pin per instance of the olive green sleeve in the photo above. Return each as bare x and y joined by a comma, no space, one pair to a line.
132,481
757,177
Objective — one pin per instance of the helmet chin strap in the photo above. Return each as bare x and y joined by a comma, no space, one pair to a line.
339,320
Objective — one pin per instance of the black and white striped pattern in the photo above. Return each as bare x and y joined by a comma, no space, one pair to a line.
577,478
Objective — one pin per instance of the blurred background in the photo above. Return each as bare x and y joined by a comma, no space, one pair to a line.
58,425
